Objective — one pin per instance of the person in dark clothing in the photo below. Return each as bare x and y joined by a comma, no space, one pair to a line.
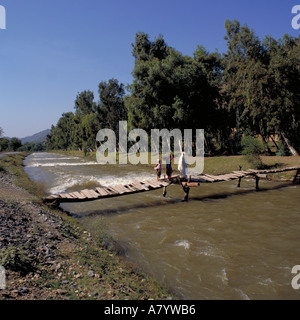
169,169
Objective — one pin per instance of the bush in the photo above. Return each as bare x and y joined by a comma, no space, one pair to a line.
283,150
13,259
252,149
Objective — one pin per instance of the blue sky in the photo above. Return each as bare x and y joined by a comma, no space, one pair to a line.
51,50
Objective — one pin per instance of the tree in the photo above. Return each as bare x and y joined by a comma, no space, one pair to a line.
171,90
111,108
14,144
88,128
284,70
84,103
1,132
252,149
260,84
4,144
241,83
62,135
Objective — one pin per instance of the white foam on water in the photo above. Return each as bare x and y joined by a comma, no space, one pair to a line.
266,282
61,164
65,181
223,276
210,251
243,295
63,185
55,159
182,243
115,180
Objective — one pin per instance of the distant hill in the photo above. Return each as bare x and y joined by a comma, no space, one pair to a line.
38,137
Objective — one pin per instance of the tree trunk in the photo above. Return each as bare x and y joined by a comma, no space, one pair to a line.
266,143
273,139
291,148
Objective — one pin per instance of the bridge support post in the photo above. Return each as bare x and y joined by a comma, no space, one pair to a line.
240,179
297,177
257,182
165,192
239,183
187,191
185,187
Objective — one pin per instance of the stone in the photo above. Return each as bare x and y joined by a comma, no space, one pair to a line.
91,273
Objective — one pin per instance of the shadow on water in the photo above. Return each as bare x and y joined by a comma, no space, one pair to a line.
166,202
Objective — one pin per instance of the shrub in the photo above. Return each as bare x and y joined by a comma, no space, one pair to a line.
283,150
252,149
13,259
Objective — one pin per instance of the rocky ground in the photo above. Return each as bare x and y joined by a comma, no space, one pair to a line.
32,237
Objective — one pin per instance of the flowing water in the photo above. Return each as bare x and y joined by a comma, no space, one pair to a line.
225,243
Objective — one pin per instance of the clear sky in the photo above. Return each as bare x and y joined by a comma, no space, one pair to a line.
53,49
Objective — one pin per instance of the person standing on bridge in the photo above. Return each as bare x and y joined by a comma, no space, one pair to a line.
158,169
182,166
169,169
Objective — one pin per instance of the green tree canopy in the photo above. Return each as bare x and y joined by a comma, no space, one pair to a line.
14,144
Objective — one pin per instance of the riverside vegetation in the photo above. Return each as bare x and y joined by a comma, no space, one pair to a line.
49,255
252,89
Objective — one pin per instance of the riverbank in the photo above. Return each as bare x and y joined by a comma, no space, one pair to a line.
49,255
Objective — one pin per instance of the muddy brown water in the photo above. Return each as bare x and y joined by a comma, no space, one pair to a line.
225,243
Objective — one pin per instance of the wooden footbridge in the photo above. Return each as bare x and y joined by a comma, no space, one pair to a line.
154,184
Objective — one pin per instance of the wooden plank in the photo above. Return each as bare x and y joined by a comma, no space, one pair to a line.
239,173
223,178
165,183
87,194
52,197
64,196
139,186
102,191
211,176
190,184
158,183
204,177
229,177
154,183
131,189
93,193
262,176
123,188
111,190
79,195
119,189
73,195
136,187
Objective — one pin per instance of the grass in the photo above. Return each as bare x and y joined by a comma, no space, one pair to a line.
13,164
222,165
